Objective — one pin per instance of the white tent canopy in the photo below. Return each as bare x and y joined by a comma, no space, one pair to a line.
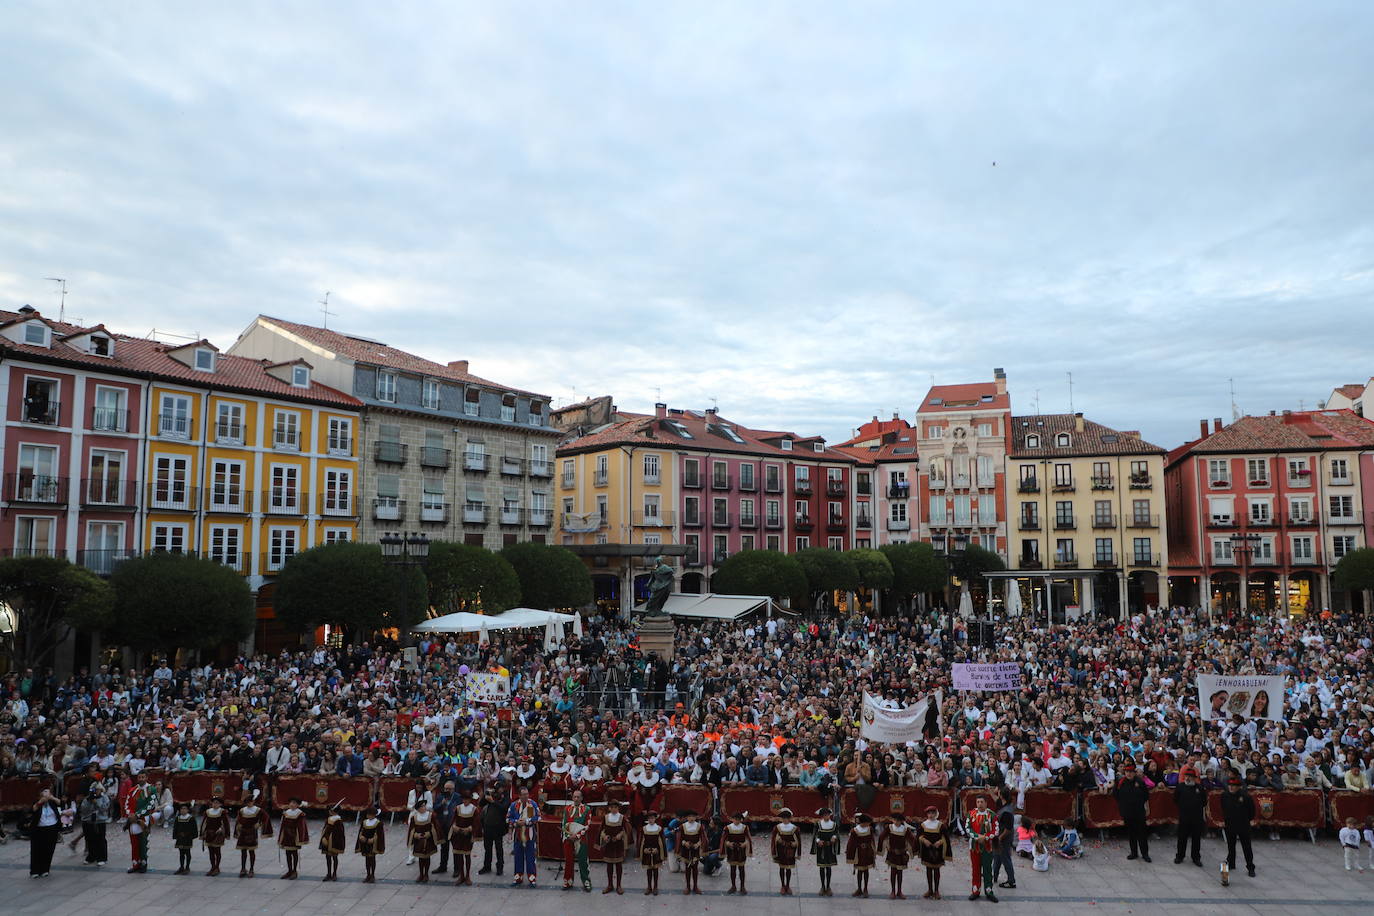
717,607
514,619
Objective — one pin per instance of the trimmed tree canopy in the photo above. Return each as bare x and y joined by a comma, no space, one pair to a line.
915,568
166,601
50,598
348,584
1355,571
465,577
976,561
873,569
827,571
761,572
550,576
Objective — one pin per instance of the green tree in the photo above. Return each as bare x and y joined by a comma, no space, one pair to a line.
167,601
349,585
975,561
761,572
873,568
50,598
550,576
1355,571
465,577
826,571
916,570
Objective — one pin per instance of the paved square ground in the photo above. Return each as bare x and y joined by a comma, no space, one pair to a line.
1294,877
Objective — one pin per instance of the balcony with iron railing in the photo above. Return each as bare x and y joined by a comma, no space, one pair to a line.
387,452
41,412
339,445
1104,560
1301,560
538,518
834,487
286,440
772,522
539,468
474,513
1303,521
109,420
568,481
228,433
1141,482
388,509
691,479
434,513
1104,521
835,522
432,456
1100,482
899,524
719,557
1342,481
274,560
937,483
1258,559
103,562
1266,521
663,518
864,488
720,481
1029,563
512,467
1065,560
1301,478
600,478
104,493
1026,523
172,496
802,523
899,490
748,484
510,515
1143,521
1259,482
1064,523
1028,485
1146,560
720,519
236,560
1345,518
475,462
285,501
1063,486
863,522
229,499
691,518
748,520
692,557
1219,483
173,426
772,485
1221,521
339,504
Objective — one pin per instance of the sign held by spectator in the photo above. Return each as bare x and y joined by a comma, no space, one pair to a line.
887,725
999,676
488,687
1250,696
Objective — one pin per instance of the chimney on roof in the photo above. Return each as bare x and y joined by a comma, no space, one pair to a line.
1272,413
896,415
1000,378
1130,433
1202,424
1216,424
660,410
875,419
27,309
710,413
459,365
1078,422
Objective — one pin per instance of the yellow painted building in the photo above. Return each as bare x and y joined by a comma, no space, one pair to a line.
247,463
1087,516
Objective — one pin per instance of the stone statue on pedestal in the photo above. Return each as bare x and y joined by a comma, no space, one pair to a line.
660,587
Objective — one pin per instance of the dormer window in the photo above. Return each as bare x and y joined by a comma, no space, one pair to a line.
205,360
818,446
101,345
1032,441
1062,440
787,445
300,376
36,334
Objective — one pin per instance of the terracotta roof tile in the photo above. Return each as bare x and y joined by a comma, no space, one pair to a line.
379,354
1094,439
964,397
706,436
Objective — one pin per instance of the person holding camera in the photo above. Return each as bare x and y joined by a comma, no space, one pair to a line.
43,835
94,813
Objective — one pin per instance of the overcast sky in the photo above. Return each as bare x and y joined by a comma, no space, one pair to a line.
792,208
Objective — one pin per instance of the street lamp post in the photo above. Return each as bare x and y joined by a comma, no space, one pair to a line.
954,550
403,550
1244,544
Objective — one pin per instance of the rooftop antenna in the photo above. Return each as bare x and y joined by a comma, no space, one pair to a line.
1070,392
62,307
324,307
714,407
1235,411
658,395
1037,402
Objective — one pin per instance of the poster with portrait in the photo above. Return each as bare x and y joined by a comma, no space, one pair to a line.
1250,696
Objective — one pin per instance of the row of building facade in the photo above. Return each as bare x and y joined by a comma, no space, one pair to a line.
297,435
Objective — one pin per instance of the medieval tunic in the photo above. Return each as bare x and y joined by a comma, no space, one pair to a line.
933,844
652,849
735,841
825,844
690,839
785,845
184,832
371,839
614,839
251,822
896,843
332,839
214,828
861,850
293,832
467,825
422,835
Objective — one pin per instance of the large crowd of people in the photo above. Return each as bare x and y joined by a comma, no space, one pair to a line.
1106,705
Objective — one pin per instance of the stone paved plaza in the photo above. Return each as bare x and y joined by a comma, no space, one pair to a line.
1294,877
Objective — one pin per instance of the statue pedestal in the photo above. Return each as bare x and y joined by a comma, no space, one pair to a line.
656,635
